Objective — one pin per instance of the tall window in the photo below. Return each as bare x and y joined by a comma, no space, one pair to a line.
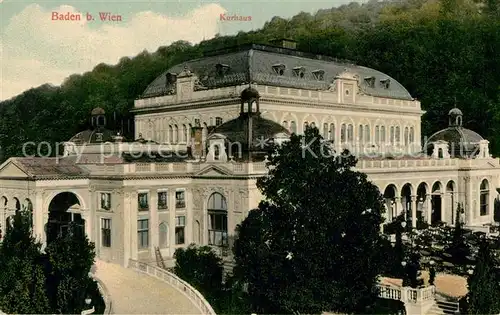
293,127
163,231
398,135
377,134
180,223
391,137
325,131
218,121
162,200
406,135
484,197
216,152
170,134
143,201
180,201
412,135
382,134
217,220
211,121
106,232
343,133
360,134
332,132
176,134
143,233
350,133
367,133
105,201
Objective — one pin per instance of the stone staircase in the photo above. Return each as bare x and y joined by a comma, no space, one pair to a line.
444,307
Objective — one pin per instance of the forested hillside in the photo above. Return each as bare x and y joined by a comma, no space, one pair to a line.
442,52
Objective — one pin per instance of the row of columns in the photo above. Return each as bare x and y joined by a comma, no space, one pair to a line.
426,208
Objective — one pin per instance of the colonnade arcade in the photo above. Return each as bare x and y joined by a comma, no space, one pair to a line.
62,208
432,204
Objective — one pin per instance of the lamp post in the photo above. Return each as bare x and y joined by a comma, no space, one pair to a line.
88,311
432,272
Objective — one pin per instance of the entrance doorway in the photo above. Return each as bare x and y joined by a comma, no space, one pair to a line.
63,210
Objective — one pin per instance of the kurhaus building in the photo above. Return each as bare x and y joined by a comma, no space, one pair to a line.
203,130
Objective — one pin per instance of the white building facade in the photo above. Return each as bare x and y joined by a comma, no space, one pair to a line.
179,182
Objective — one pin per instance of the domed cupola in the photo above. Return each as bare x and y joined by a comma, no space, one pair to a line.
250,136
250,101
97,133
456,141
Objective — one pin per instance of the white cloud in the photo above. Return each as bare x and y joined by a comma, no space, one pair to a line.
35,50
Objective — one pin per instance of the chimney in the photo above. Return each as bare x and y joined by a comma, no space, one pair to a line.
198,143
284,43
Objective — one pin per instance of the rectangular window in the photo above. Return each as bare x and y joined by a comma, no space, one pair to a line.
162,200
105,201
143,233
180,223
143,201
106,232
217,231
180,201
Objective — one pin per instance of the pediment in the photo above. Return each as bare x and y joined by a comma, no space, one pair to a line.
9,169
214,171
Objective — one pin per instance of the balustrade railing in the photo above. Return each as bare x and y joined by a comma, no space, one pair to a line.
191,293
406,294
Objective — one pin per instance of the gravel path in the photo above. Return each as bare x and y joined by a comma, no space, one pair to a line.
135,293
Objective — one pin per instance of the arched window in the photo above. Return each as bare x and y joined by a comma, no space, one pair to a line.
412,135
184,133
216,152
382,134
350,133
176,134
407,136
217,220
360,134
188,133
367,133
377,134
170,134
391,136
440,153
325,131
343,133
332,132
293,127
398,135
163,231
211,121
484,197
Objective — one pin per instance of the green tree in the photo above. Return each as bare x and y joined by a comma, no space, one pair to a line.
71,257
484,284
202,268
314,243
22,278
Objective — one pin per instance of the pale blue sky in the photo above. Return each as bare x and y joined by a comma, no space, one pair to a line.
35,50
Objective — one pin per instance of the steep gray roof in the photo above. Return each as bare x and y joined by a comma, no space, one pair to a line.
258,64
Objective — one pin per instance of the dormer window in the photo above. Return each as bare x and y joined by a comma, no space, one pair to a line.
370,81
319,75
279,69
171,78
385,83
299,72
222,69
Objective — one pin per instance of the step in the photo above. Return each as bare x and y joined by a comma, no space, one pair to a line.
435,310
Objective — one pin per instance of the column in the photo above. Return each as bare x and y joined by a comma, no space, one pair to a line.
127,227
38,217
397,201
428,208
45,220
188,233
88,224
153,223
444,208
414,204
172,221
134,204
